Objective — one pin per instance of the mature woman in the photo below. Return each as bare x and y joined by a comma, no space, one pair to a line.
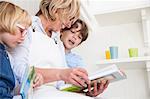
52,16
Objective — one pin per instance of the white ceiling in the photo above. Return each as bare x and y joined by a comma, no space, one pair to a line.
106,6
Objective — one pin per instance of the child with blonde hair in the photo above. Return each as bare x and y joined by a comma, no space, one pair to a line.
14,22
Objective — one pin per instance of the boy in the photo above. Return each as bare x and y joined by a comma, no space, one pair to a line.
13,24
71,38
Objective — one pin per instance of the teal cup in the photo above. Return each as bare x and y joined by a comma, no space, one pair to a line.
113,52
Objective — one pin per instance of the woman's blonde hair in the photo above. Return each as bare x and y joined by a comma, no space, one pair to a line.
11,15
69,9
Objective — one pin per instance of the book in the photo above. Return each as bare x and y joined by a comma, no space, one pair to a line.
28,78
111,73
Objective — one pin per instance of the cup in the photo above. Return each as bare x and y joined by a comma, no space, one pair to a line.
107,54
113,52
133,52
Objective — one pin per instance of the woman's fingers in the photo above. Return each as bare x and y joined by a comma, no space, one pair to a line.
77,76
81,76
78,80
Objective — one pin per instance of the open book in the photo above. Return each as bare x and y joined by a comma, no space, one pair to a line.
27,82
111,73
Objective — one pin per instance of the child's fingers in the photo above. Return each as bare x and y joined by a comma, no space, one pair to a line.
38,80
36,84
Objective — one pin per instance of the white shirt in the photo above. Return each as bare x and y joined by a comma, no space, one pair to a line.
44,52
37,49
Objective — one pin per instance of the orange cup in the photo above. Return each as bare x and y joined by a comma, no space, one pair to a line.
107,54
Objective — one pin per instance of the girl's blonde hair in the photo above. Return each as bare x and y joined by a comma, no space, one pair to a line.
11,15
69,9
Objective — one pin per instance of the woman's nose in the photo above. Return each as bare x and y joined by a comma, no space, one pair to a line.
69,24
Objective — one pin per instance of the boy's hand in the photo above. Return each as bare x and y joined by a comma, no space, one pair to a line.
99,86
38,81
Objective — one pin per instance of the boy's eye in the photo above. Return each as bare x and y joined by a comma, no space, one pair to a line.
80,37
72,31
21,30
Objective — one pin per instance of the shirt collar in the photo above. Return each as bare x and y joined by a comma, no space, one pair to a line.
37,24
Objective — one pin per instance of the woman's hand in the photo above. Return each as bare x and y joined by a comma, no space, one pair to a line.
75,76
38,81
98,87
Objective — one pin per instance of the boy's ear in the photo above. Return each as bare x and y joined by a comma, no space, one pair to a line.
61,33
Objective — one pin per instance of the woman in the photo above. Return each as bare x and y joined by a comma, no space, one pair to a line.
52,16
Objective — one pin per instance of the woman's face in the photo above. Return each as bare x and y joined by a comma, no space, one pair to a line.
67,22
71,38
61,23
12,40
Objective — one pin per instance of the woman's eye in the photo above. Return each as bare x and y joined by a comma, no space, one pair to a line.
71,19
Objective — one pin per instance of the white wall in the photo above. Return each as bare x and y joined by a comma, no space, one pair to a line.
125,32
122,35
107,6
123,29
31,6
134,87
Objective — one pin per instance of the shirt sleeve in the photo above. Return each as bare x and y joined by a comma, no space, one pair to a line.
74,60
7,81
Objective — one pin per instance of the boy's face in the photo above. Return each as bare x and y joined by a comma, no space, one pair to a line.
71,38
12,40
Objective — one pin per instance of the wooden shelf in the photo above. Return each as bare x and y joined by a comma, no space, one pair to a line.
124,60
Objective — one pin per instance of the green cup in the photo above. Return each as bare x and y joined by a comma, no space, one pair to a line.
133,52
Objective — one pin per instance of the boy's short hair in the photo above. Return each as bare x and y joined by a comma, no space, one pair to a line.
11,15
70,9
83,31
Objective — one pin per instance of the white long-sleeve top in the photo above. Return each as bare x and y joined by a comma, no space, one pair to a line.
44,51
38,50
